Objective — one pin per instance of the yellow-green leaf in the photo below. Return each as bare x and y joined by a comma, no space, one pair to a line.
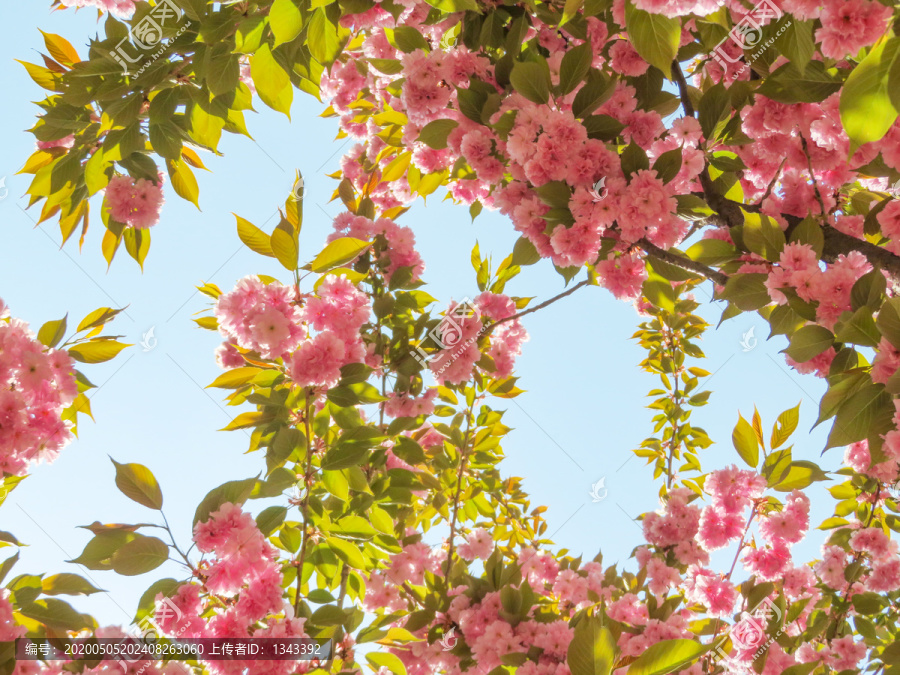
253,237
272,82
184,181
285,21
96,351
339,252
139,484
745,442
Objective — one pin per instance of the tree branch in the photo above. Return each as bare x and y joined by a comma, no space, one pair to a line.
684,263
546,303
682,88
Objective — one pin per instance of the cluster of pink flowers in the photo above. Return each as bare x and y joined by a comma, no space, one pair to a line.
850,25
135,203
260,317
338,312
403,405
478,544
459,331
120,8
401,241
9,630
36,385
799,270
236,593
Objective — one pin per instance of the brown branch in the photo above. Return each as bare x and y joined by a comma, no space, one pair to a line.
684,263
546,303
682,88
463,461
811,174
772,182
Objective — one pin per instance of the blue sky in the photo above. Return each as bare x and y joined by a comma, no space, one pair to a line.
582,415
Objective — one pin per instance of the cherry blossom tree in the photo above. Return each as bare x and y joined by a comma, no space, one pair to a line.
647,147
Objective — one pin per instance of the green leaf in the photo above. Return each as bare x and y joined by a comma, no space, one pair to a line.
745,442
137,483
790,85
747,291
654,36
184,181
603,127
711,252
593,648
524,252
455,5
808,342
339,252
139,556
285,20
68,584
284,246
96,351
253,237
531,80
888,321
408,39
233,492
347,552
785,425
147,604
867,411
99,317
206,127
867,109
763,236
713,109
99,550
597,89
574,67
801,474
52,332
322,38
272,83
236,377
667,656
344,456
56,614
270,519
797,43
223,69
859,329
808,231
668,164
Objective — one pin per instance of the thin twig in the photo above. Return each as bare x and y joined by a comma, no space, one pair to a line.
304,505
772,182
811,174
459,481
546,303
